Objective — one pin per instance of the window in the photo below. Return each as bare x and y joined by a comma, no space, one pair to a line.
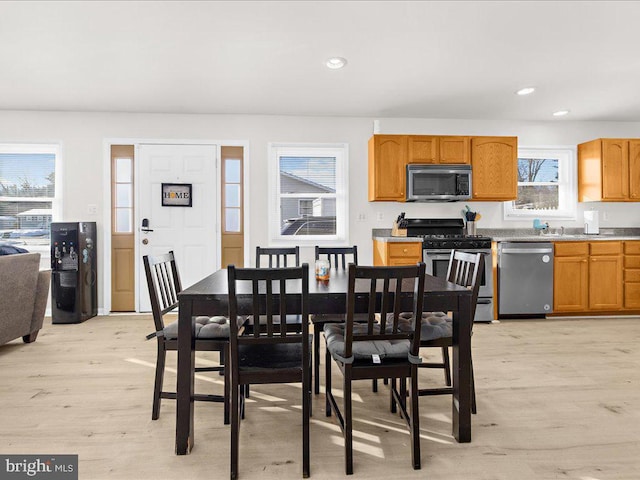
308,194
232,174
123,206
28,196
546,184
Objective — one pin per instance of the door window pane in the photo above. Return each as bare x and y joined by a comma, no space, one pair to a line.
123,195
232,219
124,222
232,195
123,170
232,171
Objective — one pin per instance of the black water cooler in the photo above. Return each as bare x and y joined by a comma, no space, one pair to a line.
74,272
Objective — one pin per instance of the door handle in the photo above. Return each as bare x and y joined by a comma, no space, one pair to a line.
145,225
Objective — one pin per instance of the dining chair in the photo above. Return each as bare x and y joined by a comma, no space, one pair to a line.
274,354
377,349
339,258
267,257
211,334
465,269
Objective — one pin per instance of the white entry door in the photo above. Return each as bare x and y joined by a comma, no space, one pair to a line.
190,231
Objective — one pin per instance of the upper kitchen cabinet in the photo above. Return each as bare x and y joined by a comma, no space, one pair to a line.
427,149
609,170
494,164
387,166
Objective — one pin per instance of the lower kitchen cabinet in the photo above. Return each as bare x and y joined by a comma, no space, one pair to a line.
588,277
605,276
571,277
396,253
632,275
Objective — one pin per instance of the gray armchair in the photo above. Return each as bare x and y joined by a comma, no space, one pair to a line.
24,291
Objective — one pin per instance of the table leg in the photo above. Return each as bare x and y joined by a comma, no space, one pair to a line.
461,403
185,384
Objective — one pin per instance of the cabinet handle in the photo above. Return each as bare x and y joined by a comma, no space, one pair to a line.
405,250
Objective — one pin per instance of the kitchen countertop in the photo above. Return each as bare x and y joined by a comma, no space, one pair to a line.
529,235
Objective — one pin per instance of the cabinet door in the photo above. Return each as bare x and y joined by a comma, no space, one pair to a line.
605,282
634,170
494,165
454,150
387,165
615,169
422,149
570,284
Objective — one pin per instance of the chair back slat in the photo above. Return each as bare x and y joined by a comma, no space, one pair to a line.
388,288
163,283
466,269
274,292
338,257
278,257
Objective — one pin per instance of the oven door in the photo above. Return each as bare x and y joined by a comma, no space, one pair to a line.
437,264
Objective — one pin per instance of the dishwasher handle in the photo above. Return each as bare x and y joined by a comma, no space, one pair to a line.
527,250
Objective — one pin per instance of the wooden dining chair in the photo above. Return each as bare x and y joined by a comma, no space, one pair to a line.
277,257
274,354
211,334
465,269
378,349
339,258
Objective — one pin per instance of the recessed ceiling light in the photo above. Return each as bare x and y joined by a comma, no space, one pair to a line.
526,91
560,113
335,63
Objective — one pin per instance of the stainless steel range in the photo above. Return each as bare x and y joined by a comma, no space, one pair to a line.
439,237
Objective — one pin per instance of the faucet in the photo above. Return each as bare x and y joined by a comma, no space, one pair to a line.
561,230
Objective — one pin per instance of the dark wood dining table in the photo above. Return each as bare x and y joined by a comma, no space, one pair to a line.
210,297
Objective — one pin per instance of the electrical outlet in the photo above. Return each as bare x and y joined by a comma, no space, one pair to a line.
92,209
379,216
362,217
605,215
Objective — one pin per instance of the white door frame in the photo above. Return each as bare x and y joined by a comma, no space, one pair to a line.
106,217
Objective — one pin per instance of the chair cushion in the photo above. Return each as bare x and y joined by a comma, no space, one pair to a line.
334,335
435,325
206,327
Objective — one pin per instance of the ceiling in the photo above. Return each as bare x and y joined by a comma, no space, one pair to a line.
405,59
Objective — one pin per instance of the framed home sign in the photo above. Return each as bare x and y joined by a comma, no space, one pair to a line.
176,194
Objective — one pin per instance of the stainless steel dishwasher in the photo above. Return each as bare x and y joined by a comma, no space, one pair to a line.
525,278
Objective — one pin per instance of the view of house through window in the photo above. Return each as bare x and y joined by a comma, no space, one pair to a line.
310,192
27,194
545,184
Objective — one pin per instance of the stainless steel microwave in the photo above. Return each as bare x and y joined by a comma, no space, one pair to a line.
444,183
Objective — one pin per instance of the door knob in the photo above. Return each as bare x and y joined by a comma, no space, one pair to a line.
145,241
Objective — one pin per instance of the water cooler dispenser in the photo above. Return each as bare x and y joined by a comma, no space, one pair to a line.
74,272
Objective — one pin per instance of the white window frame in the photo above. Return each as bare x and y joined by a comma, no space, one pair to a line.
340,151
567,201
56,201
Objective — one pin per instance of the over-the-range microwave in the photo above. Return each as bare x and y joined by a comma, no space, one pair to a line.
444,183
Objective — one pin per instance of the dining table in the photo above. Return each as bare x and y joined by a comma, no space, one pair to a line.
210,295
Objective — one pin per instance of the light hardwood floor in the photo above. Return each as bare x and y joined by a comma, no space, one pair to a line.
557,399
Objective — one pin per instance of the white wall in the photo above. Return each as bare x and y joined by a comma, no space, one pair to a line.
82,137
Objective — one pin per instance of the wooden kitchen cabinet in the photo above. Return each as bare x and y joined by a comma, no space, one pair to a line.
494,165
609,170
429,149
396,253
570,277
387,167
632,275
605,275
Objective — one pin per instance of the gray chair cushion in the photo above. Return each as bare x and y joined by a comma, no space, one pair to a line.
435,325
206,327
334,335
